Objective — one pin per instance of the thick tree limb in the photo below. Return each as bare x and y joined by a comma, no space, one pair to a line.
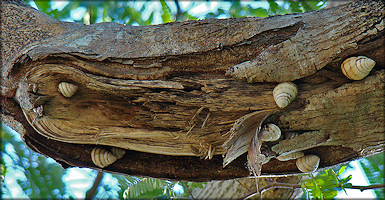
162,93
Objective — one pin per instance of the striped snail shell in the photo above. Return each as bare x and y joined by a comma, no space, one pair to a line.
285,93
290,156
67,89
102,158
270,132
118,152
357,68
308,163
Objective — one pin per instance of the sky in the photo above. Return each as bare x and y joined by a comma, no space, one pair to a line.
80,180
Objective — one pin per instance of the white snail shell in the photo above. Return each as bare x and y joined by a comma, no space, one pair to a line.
118,152
357,68
308,163
290,156
102,158
270,132
285,93
67,89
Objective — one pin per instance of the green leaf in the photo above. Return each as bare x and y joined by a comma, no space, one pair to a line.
345,180
273,6
43,6
150,18
333,176
294,6
347,185
373,168
166,12
146,188
304,190
342,169
259,12
194,185
329,194
41,175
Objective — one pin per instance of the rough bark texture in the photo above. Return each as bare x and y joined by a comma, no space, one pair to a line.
162,92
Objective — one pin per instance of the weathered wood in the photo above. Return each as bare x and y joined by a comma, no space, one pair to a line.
169,102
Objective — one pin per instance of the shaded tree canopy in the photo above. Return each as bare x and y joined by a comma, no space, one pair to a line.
170,102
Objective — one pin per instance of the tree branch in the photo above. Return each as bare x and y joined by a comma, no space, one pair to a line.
362,188
179,12
188,190
295,186
92,191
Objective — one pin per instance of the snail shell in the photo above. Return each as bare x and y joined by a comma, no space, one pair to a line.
290,156
118,152
270,132
67,89
285,93
357,68
264,159
102,158
308,163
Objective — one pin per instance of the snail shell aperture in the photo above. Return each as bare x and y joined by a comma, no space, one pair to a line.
308,163
67,89
285,93
264,159
290,156
270,132
357,68
102,158
118,152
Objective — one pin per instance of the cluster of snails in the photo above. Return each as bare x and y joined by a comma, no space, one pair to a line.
305,163
284,94
67,89
102,157
357,68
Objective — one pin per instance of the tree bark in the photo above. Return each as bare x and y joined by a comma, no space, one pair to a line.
169,94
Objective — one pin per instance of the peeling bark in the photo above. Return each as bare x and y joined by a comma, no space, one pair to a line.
170,103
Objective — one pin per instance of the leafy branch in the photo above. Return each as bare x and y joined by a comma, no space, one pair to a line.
295,186
323,186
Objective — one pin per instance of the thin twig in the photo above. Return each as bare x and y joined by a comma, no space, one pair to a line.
179,12
271,186
362,188
243,185
295,186
188,190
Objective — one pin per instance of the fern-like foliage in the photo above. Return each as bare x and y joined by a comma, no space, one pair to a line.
147,188
325,185
373,168
151,188
36,175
